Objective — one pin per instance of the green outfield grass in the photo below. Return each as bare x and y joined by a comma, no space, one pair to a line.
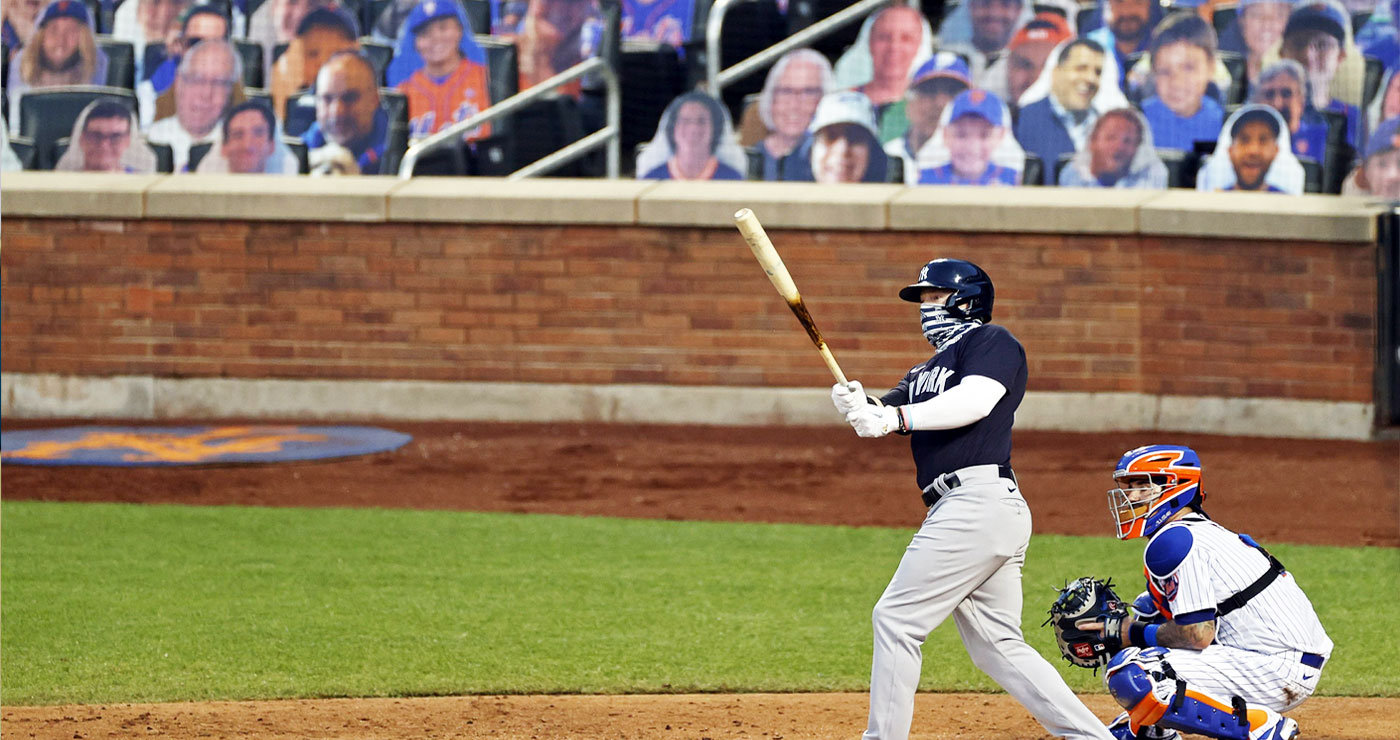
108,603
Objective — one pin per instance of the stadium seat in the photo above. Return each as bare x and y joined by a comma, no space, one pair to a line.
301,113
1181,167
197,152
1239,82
1087,19
1359,20
152,57
379,55
749,28
1312,175
1034,171
397,105
298,148
1375,71
754,160
651,77
121,62
23,147
1337,159
543,127
48,114
450,158
502,65
803,13
479,15
894,170
251,54
1060,165
491,156
95,9
1223,16
165,157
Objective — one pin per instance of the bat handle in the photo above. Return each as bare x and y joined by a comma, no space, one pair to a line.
832,366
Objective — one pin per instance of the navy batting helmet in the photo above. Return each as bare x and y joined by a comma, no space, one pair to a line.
971,286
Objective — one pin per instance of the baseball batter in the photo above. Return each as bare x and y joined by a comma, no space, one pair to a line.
1224,639
965,561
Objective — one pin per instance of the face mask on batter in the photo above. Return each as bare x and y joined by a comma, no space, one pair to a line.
939,327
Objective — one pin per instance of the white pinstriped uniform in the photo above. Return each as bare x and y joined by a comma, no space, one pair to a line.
1259,647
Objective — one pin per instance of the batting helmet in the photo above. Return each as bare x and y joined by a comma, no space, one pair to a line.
1164,480
971,286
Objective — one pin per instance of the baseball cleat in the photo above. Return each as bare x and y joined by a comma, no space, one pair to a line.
1281,728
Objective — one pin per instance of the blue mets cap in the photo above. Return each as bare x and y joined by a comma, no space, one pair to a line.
66,9
430,10
1323,17
942,64
1386,138
976,103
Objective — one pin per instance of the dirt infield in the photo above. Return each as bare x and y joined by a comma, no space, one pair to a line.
1278,490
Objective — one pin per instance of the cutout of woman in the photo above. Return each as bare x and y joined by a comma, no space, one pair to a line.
694,141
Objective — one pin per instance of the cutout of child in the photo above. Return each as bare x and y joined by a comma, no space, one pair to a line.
972,133
1181,112
440,69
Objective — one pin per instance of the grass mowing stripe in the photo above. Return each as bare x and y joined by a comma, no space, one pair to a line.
111,602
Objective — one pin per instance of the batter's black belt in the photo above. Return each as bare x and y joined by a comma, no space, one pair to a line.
1312,660
948,481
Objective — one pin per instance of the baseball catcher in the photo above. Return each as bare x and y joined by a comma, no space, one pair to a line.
1221,643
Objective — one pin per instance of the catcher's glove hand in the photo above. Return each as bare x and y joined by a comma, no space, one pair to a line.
1088,599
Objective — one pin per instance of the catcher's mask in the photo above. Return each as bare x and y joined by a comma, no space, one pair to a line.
1154,483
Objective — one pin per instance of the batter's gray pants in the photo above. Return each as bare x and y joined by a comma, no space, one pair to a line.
966,561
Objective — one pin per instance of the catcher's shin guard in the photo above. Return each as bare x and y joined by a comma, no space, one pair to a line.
1142,682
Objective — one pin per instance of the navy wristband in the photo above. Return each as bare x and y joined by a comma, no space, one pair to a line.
1143,636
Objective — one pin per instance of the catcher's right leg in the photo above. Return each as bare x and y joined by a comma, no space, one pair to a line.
1142,682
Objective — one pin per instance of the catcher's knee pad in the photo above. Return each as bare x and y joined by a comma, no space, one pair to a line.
1142,682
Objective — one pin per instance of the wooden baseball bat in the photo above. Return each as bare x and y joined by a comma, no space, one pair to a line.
777,272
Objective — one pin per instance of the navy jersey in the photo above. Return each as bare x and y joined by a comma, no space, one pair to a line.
988,350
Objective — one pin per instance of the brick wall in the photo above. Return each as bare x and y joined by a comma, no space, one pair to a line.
686,306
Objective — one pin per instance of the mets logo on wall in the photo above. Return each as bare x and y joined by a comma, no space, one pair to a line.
193,445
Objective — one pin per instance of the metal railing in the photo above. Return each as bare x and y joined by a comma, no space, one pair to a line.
610,135
716,81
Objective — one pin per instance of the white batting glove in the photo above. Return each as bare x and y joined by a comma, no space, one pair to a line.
874,421
848,398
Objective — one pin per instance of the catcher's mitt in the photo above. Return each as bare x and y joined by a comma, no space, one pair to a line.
1092,599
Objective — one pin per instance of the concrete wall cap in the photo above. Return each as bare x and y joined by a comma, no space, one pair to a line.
497,200
791,205
1024,209
272,198
1312,217
75,194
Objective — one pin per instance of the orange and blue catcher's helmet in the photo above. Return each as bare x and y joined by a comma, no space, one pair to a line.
1154,484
